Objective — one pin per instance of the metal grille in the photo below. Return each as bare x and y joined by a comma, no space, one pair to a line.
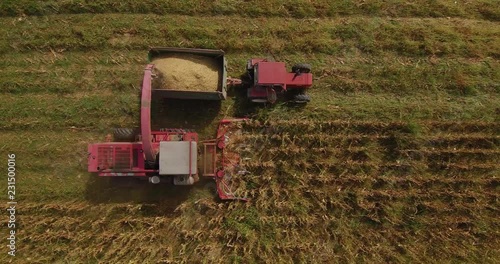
114,157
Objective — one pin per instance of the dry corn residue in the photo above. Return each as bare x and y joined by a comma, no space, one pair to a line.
186,72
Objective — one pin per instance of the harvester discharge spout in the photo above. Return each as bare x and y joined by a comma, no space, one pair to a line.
146,114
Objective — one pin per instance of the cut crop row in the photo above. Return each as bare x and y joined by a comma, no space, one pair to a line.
461,127
316,127
394,142
453,155
409,37
80,111
69,82
259,167
85,238
370,127
484,9
471,141
373,153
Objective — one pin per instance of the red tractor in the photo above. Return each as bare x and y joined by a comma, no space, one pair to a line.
267,81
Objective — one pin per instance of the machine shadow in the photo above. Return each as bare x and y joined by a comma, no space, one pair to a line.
186,114
158,199
134,190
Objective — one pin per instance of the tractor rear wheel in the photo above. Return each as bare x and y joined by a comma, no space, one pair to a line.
301,68
125,134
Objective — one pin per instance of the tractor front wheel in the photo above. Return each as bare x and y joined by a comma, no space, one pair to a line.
301,68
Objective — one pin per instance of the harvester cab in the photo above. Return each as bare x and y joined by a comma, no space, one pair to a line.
269,81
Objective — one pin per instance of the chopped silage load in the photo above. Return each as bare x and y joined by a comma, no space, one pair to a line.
186,72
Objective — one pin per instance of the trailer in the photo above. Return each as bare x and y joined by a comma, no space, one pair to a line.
216,90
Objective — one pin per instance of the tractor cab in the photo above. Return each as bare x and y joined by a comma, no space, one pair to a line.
270,74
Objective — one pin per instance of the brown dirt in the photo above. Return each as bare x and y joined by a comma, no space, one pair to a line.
186,72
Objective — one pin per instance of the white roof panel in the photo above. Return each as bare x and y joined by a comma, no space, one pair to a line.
174,157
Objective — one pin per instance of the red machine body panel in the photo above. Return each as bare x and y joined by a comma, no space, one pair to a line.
274,73
171,134
270,73
116,159
258,92
303,80
253,61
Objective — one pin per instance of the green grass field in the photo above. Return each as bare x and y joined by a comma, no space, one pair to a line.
395,159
